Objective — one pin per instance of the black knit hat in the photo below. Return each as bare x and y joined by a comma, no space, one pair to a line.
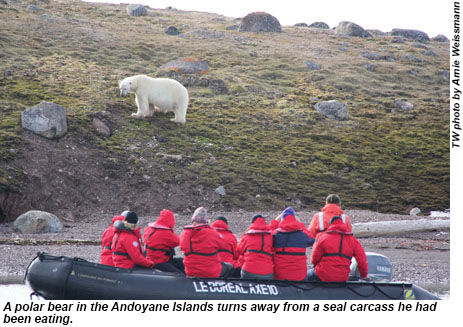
335,218
130,217
256,217
223,219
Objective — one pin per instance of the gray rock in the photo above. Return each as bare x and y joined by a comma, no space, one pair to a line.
102,127
220,190
445,74
136,10
35,221
415,211
171,30
232,27
319,25
33,8
440,38
398,39
411,34
301,25
376,56
332,109
259,22
376,32
46,119
312,65
403,105
369,67
428,53
411,57
187,66
351,29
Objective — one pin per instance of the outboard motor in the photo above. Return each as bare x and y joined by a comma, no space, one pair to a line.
379,268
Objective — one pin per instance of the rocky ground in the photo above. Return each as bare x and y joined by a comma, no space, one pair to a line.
420,258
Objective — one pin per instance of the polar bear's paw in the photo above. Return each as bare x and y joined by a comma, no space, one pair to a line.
180,121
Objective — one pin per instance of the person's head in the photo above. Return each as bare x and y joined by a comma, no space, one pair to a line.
130,219
288,212
222,218
257,217
333,198
199,216
336,219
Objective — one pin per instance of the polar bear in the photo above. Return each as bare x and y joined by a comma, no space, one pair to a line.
156,95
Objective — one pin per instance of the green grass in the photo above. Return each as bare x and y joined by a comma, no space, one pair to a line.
246,140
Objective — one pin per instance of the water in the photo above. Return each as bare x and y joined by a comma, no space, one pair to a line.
21,292
15,292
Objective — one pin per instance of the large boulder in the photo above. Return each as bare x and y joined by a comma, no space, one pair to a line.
46,119
259,22
440,38
319,25
35,221
332,109
187,66
411,34
351,29
136,10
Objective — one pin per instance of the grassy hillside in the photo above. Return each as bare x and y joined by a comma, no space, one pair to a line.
262,140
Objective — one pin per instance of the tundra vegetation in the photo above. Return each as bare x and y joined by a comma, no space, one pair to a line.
251,124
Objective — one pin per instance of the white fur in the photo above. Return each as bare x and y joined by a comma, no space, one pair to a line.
156,94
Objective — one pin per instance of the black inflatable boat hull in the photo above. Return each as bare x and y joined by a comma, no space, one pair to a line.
64,278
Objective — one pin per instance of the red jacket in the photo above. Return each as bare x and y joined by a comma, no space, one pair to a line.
127,248
329,211
159,238
290,241
256,250
106,255
332,256
200,245
227,254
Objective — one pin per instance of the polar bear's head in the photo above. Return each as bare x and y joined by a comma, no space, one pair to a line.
127,85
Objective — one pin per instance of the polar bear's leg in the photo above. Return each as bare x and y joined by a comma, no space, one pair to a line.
180,111
143,108
138,113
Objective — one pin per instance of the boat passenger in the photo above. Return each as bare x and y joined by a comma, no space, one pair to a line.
106,255
256,250
126,244
200,244
321,220
290,240
333,254
160,241
227,254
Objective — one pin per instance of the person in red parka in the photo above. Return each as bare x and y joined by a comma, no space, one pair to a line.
106,255
290,241
160,240
333,254
227,254
200,244
256,250
126,244
321,220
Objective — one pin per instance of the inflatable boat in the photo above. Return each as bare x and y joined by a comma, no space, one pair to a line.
65,278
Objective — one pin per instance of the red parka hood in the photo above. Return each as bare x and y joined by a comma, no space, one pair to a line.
166,220
338,226
121,228
200,231
220,224
258,226
290,224
333,209
116,218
